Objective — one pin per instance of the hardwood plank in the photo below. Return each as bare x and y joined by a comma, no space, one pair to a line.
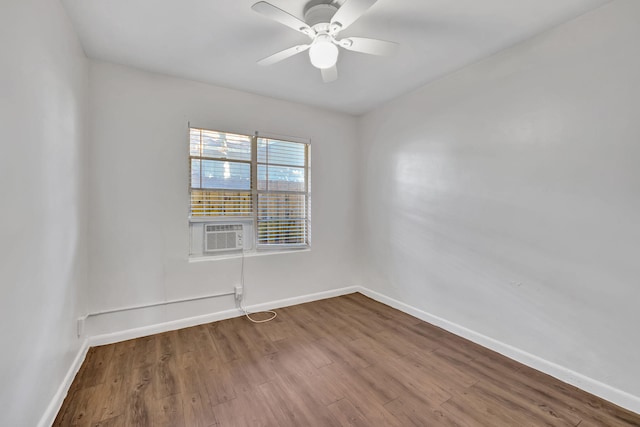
590,406
250,371
314,352
473,409
517,383
419,381
85,405
378,350
165,369
121,361
138,410
248,409
414,411
97,361
298,312
224,342
360,390
186,341
63,418
399,342
376,414
111,422
304,398
168,412
336,329
219,383
572,403
190,378
384,312
282,327
543,415
295,328
353,353
198,411
321,389
445,376
111,397
257,341
144,352
287,412
378,380
348,415
291,360
454,418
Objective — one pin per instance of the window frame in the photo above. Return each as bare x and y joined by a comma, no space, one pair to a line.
306,193
254,190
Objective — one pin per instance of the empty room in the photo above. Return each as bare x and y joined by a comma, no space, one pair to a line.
320,213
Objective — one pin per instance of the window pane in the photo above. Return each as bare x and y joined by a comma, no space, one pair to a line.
280,178
194,142
225,175
226,145
220,203
195,173
280,152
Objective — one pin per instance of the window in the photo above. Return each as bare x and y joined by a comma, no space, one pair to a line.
220,166
260,181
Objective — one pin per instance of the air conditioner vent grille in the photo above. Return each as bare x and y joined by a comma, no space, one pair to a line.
222,237
223,227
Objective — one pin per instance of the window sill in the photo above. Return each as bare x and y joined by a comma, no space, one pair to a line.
247,254
223,219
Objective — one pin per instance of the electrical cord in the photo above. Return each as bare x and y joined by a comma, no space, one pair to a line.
247,313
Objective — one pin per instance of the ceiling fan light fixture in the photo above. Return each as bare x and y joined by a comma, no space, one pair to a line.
323,53
323,21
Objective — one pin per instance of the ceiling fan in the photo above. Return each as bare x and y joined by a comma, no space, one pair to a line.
323,21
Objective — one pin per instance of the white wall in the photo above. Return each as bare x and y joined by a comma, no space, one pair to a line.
43,264
139,197
506,197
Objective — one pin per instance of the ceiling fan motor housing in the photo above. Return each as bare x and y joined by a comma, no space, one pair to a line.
320,14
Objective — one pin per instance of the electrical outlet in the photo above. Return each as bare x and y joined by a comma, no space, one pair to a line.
238,292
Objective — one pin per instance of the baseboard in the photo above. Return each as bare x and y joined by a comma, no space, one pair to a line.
50,414
212,317
303,299
607,392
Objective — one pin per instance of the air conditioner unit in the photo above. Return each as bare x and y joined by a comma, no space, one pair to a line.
222,237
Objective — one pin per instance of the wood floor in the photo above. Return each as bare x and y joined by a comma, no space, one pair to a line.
346,361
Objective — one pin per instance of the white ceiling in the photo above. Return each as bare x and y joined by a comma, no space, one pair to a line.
219,42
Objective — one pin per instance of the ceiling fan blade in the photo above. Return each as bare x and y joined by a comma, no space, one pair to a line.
284,54
329,74
349,12
279,15
370,46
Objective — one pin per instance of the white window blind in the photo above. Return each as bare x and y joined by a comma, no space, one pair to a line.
220,165
268,180
283,192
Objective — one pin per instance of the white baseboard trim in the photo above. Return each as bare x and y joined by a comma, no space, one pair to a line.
212,317
605,391
50,414
303,299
